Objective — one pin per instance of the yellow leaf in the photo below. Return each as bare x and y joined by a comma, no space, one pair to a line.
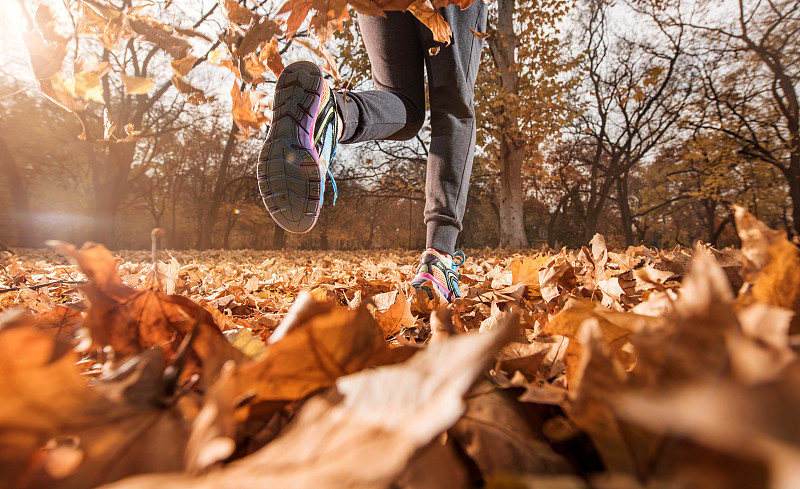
85,85
216,56
137,85
773,264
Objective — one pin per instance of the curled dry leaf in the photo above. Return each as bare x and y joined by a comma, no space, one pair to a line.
496,435
321,346
479,35
392,312
132,320
772,265
433,20
181,67
56,432
353,435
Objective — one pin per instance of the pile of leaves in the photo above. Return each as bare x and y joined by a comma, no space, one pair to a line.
575,369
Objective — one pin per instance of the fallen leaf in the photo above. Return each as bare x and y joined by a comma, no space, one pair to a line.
350,436
57,432
131,320
321,346
392,312
772,265
498,438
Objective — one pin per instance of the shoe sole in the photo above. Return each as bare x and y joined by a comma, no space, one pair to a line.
289,174
419,283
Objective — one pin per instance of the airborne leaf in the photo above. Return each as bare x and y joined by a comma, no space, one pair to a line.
137,85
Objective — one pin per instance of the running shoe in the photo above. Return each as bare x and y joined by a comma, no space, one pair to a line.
300,144
440,270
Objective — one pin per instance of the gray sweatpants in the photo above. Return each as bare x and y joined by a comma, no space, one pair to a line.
398,48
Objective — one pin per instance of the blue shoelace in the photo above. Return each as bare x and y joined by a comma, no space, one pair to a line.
330,174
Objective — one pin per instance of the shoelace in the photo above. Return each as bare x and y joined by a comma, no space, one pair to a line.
330,175
463,259
335,146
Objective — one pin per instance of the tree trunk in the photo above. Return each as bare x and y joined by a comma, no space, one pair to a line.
624,205
111,187
552,222
512,226
794,186
19,194
503,47
210,219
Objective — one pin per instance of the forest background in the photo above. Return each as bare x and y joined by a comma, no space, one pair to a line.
641,120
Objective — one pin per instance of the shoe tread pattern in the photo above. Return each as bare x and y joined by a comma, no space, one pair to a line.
288,177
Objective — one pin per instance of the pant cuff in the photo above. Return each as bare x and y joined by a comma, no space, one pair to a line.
442,237
349,112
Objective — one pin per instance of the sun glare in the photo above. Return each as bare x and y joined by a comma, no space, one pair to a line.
12,47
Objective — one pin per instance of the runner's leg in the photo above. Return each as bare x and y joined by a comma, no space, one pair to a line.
396,109
451,89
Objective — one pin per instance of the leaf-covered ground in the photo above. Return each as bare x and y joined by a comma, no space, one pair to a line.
572,369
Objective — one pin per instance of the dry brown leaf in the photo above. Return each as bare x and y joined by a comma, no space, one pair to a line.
235,13
772,265
56,432
273,57
214,428
392,312
756,423
61,322
85,85
616,328
437,466
46,59
244,110
353,435
598,378
553,277
298,11
182,67
433,20
130,320
260,34
763,350
497,437
160,35
479,35
319,347
193,94
697,330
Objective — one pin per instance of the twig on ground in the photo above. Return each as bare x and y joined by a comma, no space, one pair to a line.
48,284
